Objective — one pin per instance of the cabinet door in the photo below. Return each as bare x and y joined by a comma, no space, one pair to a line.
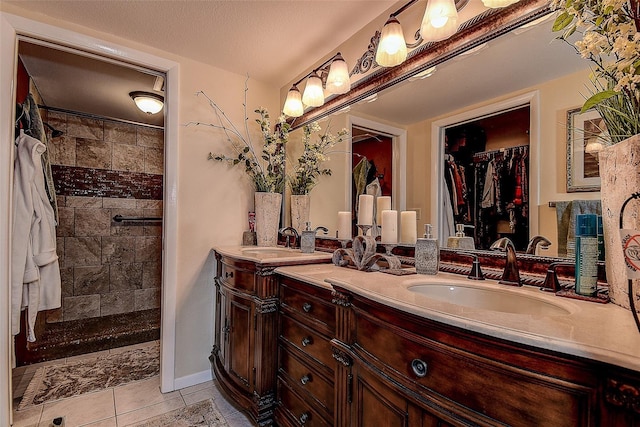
375,404
221,327
239,356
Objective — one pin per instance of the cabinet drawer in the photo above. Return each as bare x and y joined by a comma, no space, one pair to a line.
295,408
308,341
238,278
500,391
307,379
308,308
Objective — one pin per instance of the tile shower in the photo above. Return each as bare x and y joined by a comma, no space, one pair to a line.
111,271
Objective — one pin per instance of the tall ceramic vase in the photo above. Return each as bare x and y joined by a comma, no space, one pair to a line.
300,205
267,206
620,178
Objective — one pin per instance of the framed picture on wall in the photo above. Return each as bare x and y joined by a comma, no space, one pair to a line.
584,140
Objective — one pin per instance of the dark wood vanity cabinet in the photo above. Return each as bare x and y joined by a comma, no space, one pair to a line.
243,356
298,354
306,372
397,369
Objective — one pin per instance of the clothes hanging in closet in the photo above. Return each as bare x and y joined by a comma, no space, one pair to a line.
501,180
35,271
455,178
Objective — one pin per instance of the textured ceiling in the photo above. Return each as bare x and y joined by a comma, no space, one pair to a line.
272,41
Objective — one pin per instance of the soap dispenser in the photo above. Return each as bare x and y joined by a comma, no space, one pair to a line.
460,240
427,253
308,239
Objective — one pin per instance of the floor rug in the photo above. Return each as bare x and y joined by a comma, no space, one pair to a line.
60,381
203,414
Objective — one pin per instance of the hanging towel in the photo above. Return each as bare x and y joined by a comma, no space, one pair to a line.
566,222
37,130
360,172
35,271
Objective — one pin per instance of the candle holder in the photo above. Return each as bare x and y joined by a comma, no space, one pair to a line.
388,248
344,242
364,228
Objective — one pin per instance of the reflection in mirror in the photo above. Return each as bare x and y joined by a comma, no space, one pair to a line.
520,68
486,164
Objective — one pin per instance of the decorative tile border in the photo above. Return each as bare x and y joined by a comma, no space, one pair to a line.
78,181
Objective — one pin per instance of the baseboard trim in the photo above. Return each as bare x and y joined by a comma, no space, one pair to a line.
193,379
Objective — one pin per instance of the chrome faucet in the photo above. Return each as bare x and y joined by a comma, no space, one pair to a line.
510,276
293,233
534,242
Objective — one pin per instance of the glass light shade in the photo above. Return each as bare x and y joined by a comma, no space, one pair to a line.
392,48
440,20
313,95
147,102
494,4
293,104
338,81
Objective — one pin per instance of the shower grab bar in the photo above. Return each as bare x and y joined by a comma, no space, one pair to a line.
120,218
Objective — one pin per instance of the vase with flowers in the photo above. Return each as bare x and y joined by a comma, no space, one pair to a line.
264,166
308,169
608,36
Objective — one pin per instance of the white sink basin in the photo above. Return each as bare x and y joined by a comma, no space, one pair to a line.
490,299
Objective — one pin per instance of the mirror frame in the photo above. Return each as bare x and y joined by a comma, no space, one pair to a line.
475,32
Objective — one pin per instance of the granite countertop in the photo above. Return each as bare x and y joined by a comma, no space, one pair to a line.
273,254
601,332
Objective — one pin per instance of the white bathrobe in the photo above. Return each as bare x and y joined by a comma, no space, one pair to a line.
35,271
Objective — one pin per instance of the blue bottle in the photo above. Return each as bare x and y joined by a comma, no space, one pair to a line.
600,239
586,254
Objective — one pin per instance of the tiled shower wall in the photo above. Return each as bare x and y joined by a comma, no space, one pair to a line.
101,169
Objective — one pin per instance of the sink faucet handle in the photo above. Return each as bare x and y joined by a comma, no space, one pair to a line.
476,271
551,283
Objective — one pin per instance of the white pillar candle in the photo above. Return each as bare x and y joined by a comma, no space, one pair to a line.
408,227
365,209
383,203
389,226
344,225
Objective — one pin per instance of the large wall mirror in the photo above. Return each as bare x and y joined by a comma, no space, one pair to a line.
509,65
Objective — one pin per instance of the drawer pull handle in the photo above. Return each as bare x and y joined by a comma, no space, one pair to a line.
419,367
306,307
306,341
228,274
305,379
304,418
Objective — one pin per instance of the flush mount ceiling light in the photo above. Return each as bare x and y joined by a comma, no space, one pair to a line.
147,102
293,104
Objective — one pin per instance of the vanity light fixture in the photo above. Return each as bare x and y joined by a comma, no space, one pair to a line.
293,104
147,102
440,20
338,81
392,49
332,76
495,4
313,95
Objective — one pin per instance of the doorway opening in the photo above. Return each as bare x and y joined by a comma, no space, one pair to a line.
105,166
486,171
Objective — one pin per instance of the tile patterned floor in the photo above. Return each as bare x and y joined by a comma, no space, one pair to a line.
117,406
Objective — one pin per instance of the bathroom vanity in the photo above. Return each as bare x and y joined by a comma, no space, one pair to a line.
363,349
245,347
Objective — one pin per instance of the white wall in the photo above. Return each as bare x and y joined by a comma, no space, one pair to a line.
211,201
